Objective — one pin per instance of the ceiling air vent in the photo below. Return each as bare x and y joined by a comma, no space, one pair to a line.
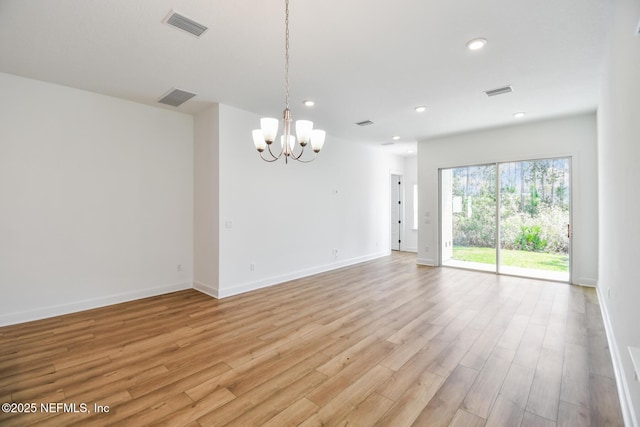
365,123
176,97
388,143
499,91
185,24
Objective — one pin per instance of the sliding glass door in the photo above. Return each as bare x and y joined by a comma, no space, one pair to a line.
535,218
469,217
529,235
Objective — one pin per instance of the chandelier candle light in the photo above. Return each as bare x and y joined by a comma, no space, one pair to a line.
264,137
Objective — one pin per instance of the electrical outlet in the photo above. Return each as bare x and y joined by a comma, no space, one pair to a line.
252,267
608,292
179,267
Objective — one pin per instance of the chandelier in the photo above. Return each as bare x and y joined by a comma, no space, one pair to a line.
264,137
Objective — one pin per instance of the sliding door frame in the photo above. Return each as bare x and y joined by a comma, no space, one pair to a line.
498,217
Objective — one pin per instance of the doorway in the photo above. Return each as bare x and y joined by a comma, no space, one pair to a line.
397,209
510,218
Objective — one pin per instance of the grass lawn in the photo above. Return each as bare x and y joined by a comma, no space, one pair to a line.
523,259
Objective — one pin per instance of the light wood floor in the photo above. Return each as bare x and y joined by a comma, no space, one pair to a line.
382,343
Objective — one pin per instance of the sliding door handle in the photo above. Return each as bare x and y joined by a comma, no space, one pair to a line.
569,230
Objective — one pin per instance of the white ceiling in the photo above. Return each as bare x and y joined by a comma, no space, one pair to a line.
357,59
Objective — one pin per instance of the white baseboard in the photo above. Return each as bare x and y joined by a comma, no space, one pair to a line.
212,291
272,281
628,414
583,281
58,310
414,250
427,261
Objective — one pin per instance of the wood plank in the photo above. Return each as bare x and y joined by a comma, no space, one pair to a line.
485,388
545,389
308,355
575,375
145,414
368,412
532,420
312,351
413,401
412,371
293,415
599,354
576,331
594,317
404,333
483,346
406,350
573,416
342,360
451,356
465,419
192,411
278,402
604,403
517,384
443,406
343,379
530,346
554,337
514,332
340,406
505,413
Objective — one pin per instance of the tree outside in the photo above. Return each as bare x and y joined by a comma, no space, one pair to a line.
534,210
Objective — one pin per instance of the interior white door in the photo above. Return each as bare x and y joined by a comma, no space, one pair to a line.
396,212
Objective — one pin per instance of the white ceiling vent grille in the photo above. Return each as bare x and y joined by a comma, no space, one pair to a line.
176,97
388,143
365,123
499,91
183,23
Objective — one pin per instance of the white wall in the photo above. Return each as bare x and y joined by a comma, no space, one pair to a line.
570,136
96,200
206,184
618,163
286,219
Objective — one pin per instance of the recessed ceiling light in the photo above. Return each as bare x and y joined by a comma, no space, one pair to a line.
410,151
519,114
421,109
476,44
309,103
395,138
